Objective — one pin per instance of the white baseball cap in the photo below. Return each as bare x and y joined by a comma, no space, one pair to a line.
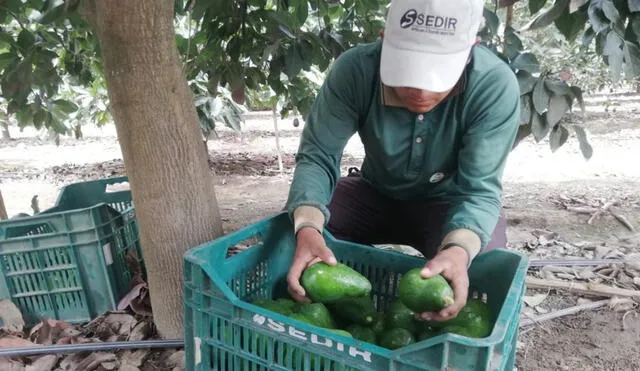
426,43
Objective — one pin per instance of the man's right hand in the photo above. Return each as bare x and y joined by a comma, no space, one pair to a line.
310,249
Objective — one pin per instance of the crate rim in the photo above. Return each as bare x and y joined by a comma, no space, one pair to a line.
44,216
504,316
111,180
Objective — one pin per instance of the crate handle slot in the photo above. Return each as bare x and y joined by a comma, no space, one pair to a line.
26,225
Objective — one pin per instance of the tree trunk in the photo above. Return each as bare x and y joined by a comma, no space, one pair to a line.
161,142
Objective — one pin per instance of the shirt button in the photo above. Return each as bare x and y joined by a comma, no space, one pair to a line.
418,140
420,117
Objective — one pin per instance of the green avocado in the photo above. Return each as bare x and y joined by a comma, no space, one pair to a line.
315,314
325,283
274,306
378,325
424,294
475,319
286,304
359,310
427,334
396,338
363,333
399,316
342,332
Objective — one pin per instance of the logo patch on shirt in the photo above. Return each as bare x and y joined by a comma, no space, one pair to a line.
436,177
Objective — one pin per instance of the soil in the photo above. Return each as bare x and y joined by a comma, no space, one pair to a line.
537,182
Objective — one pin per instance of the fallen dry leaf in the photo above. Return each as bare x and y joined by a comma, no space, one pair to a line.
133,359
44,363
10,341
176,360
87,362
7,364
140,331
542,310
116,323
601,252
582,301
632,261
534,300
10,316
49,332
109,365
618,304
132,295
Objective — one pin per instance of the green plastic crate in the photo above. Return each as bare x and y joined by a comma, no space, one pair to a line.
69,262
223,331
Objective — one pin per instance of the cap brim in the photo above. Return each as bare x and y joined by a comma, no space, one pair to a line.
409,68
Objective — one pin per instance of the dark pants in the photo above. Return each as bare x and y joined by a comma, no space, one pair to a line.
361,214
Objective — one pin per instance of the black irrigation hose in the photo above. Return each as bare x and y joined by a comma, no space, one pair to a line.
89,347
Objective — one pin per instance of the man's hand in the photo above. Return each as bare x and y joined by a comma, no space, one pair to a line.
452,265
310,249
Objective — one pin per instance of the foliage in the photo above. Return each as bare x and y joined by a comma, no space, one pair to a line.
545,96
571,60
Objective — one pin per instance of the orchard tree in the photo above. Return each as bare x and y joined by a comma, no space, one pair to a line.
165,63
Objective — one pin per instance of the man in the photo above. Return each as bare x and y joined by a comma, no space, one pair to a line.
437,115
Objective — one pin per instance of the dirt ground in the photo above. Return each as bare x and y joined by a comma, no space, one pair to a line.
538,185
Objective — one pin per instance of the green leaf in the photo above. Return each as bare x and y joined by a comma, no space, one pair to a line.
6,40
24,117
558,106
577,93
306,52
539,126
610,11
585,147
631,60
576,4
536,5
597,19
558,137
65,105
302,12
636,25
492,21
523,132
53,14
526,81
540,97
547,16
38,118
512,43
527,62
615,55
25,40
525,109
571,24
293,61
6,59
634,5
557,87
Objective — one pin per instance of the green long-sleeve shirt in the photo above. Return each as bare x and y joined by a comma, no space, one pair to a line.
456,152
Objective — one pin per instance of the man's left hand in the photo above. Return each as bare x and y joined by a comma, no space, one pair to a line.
452,264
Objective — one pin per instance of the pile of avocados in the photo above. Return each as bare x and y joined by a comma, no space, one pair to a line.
341,301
